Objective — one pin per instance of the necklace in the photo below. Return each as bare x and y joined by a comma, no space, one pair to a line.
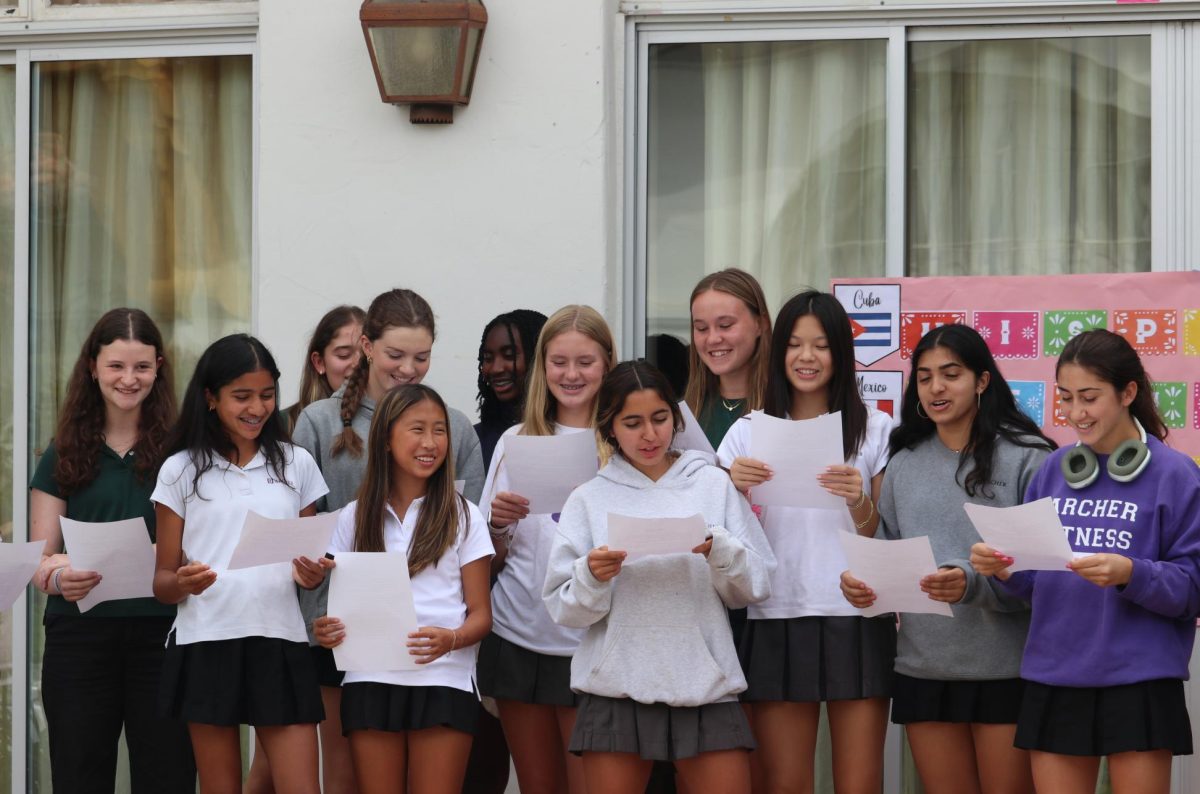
736,405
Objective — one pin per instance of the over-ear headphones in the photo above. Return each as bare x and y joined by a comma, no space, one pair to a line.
1080,467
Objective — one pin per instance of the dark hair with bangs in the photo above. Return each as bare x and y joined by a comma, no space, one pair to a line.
843,385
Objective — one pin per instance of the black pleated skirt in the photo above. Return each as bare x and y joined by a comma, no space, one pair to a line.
925,700
509,672
327,672
257,681
656,731
1095,721
812,659
388,707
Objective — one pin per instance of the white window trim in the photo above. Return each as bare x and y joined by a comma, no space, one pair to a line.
89,42
45,10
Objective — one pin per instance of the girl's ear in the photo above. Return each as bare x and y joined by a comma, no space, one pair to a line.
1128,394
318,362
982,384
210,399
366,346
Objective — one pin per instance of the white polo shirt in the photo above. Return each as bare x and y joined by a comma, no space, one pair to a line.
252,602
437,592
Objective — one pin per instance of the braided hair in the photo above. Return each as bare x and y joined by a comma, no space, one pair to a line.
397,308
522,327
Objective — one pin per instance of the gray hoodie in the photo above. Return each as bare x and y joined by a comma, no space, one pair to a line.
658,631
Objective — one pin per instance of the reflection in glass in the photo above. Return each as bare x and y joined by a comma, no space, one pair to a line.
768,156
141,196
8,106
1029,156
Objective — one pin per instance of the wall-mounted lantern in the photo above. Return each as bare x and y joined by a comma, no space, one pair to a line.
424,53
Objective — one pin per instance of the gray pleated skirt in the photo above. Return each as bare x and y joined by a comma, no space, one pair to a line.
656,731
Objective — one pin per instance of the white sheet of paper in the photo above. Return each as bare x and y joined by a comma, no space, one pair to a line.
643,537
371,594
18,563
545,469
796,452
1030,533
120,551
894,570
267,541
692,437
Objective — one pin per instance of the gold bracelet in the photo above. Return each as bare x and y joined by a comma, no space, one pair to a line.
861,498
453,640
866,520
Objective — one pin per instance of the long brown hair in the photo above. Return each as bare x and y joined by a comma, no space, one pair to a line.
703,387
442,511
1113,360
397,308
79,436
313,385
540,406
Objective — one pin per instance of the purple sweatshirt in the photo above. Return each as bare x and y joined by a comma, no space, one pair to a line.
1083,635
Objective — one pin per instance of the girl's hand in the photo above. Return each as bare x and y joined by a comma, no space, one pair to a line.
309,574
74,584
704,548
843,481
329,632
508,508
988,562
856,592
605,564
948,584
1105,570
195,577
431,642
41,579
748,472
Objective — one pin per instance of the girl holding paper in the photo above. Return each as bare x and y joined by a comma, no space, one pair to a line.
961,438
657,668
805,645
238,650
100,467
525,663
397,348
410,730
1110,639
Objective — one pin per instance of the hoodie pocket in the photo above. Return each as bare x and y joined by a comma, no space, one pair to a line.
658,664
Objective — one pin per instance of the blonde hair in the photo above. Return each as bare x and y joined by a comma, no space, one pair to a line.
703,387
540,406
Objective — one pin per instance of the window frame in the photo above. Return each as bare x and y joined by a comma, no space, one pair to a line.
90,41
39,10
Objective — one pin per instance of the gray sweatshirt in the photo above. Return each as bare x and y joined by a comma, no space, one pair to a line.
658,631
920,496
321,422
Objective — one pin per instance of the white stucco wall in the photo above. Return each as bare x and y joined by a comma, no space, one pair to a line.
508,207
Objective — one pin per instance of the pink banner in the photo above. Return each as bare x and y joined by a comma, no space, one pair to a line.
1026,321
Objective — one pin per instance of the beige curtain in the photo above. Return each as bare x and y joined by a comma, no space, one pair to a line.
795,160
1029,156
141,196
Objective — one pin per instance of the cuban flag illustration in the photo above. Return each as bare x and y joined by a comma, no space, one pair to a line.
874,311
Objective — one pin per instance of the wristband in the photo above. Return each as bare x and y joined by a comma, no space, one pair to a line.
861,498
56,578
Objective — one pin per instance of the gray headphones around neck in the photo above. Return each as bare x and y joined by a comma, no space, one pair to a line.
1080,467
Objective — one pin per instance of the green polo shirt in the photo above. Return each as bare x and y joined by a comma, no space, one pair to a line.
116,494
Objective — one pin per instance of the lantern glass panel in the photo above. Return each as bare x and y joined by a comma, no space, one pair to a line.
416,61
469,60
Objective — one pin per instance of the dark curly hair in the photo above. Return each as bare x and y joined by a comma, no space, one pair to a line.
522,327
79,436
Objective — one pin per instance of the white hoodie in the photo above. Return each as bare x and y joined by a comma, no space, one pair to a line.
658,631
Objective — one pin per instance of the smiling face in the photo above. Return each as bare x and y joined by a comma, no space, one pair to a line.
418,441
340,356
125,370
643,429
808,363
398,356
1095,409
242,406
575,365
724,332
503,365
948,390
